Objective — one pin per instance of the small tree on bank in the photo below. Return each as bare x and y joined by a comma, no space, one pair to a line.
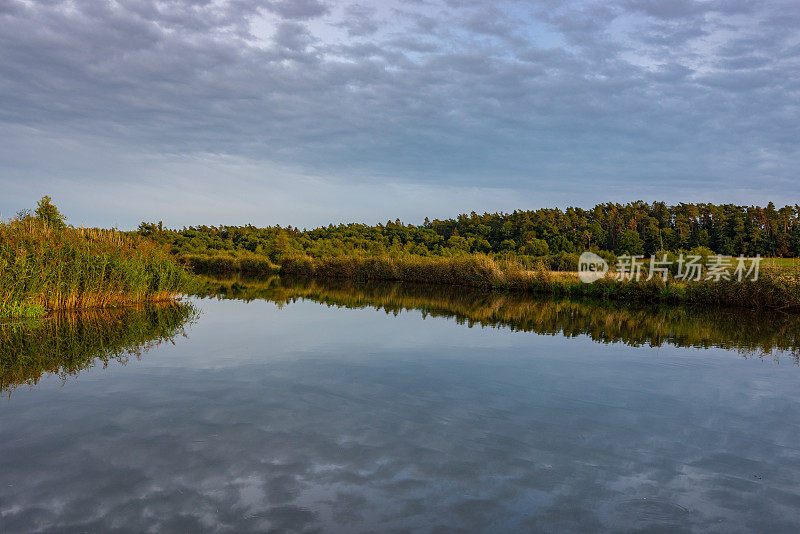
49,214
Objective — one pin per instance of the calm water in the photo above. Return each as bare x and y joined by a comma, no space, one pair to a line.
379,409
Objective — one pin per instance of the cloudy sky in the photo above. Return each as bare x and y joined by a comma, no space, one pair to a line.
304,112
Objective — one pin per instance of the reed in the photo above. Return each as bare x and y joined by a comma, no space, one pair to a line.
775,288
468,270
45,268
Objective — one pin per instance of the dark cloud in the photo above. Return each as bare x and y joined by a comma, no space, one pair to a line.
298,9
674,9
293,36
489,21
509,94
360,20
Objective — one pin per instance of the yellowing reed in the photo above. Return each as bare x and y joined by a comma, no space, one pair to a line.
773,289
45,267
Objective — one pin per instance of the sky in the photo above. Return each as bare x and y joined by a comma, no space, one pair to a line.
307,112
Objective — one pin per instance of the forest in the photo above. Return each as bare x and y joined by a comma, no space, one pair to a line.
554,235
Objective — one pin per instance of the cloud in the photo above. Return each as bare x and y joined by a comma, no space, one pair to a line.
293,36
360,20
298,9
508,95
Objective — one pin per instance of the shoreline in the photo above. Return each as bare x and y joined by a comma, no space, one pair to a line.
772,290
38,312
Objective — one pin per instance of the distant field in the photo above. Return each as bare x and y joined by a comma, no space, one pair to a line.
787,264
782,263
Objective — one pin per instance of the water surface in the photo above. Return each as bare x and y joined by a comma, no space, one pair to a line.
337,408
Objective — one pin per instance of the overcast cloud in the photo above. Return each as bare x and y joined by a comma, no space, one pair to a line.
304,111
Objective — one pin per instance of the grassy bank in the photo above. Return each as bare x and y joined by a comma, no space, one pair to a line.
773,289
46,267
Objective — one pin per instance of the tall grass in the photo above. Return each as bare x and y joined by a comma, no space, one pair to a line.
472,270
775,288
45,268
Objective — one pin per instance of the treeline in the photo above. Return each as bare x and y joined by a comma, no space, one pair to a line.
556,235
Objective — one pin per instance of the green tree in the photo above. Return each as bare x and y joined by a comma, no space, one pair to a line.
508,245
536,247
458,242
49,214
147,229
630,242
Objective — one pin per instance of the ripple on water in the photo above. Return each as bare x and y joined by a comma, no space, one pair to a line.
650,511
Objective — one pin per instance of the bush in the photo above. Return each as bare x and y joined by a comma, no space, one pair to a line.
223,264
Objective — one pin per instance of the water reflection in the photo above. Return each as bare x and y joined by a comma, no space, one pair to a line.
751,332
314,418
67,343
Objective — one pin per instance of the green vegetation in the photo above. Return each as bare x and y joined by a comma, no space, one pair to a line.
70,342
522,251
47,213
46,265
248,264
547,236
767,333
773,289
784,264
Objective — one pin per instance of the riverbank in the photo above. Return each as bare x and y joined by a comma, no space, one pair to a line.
775,289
